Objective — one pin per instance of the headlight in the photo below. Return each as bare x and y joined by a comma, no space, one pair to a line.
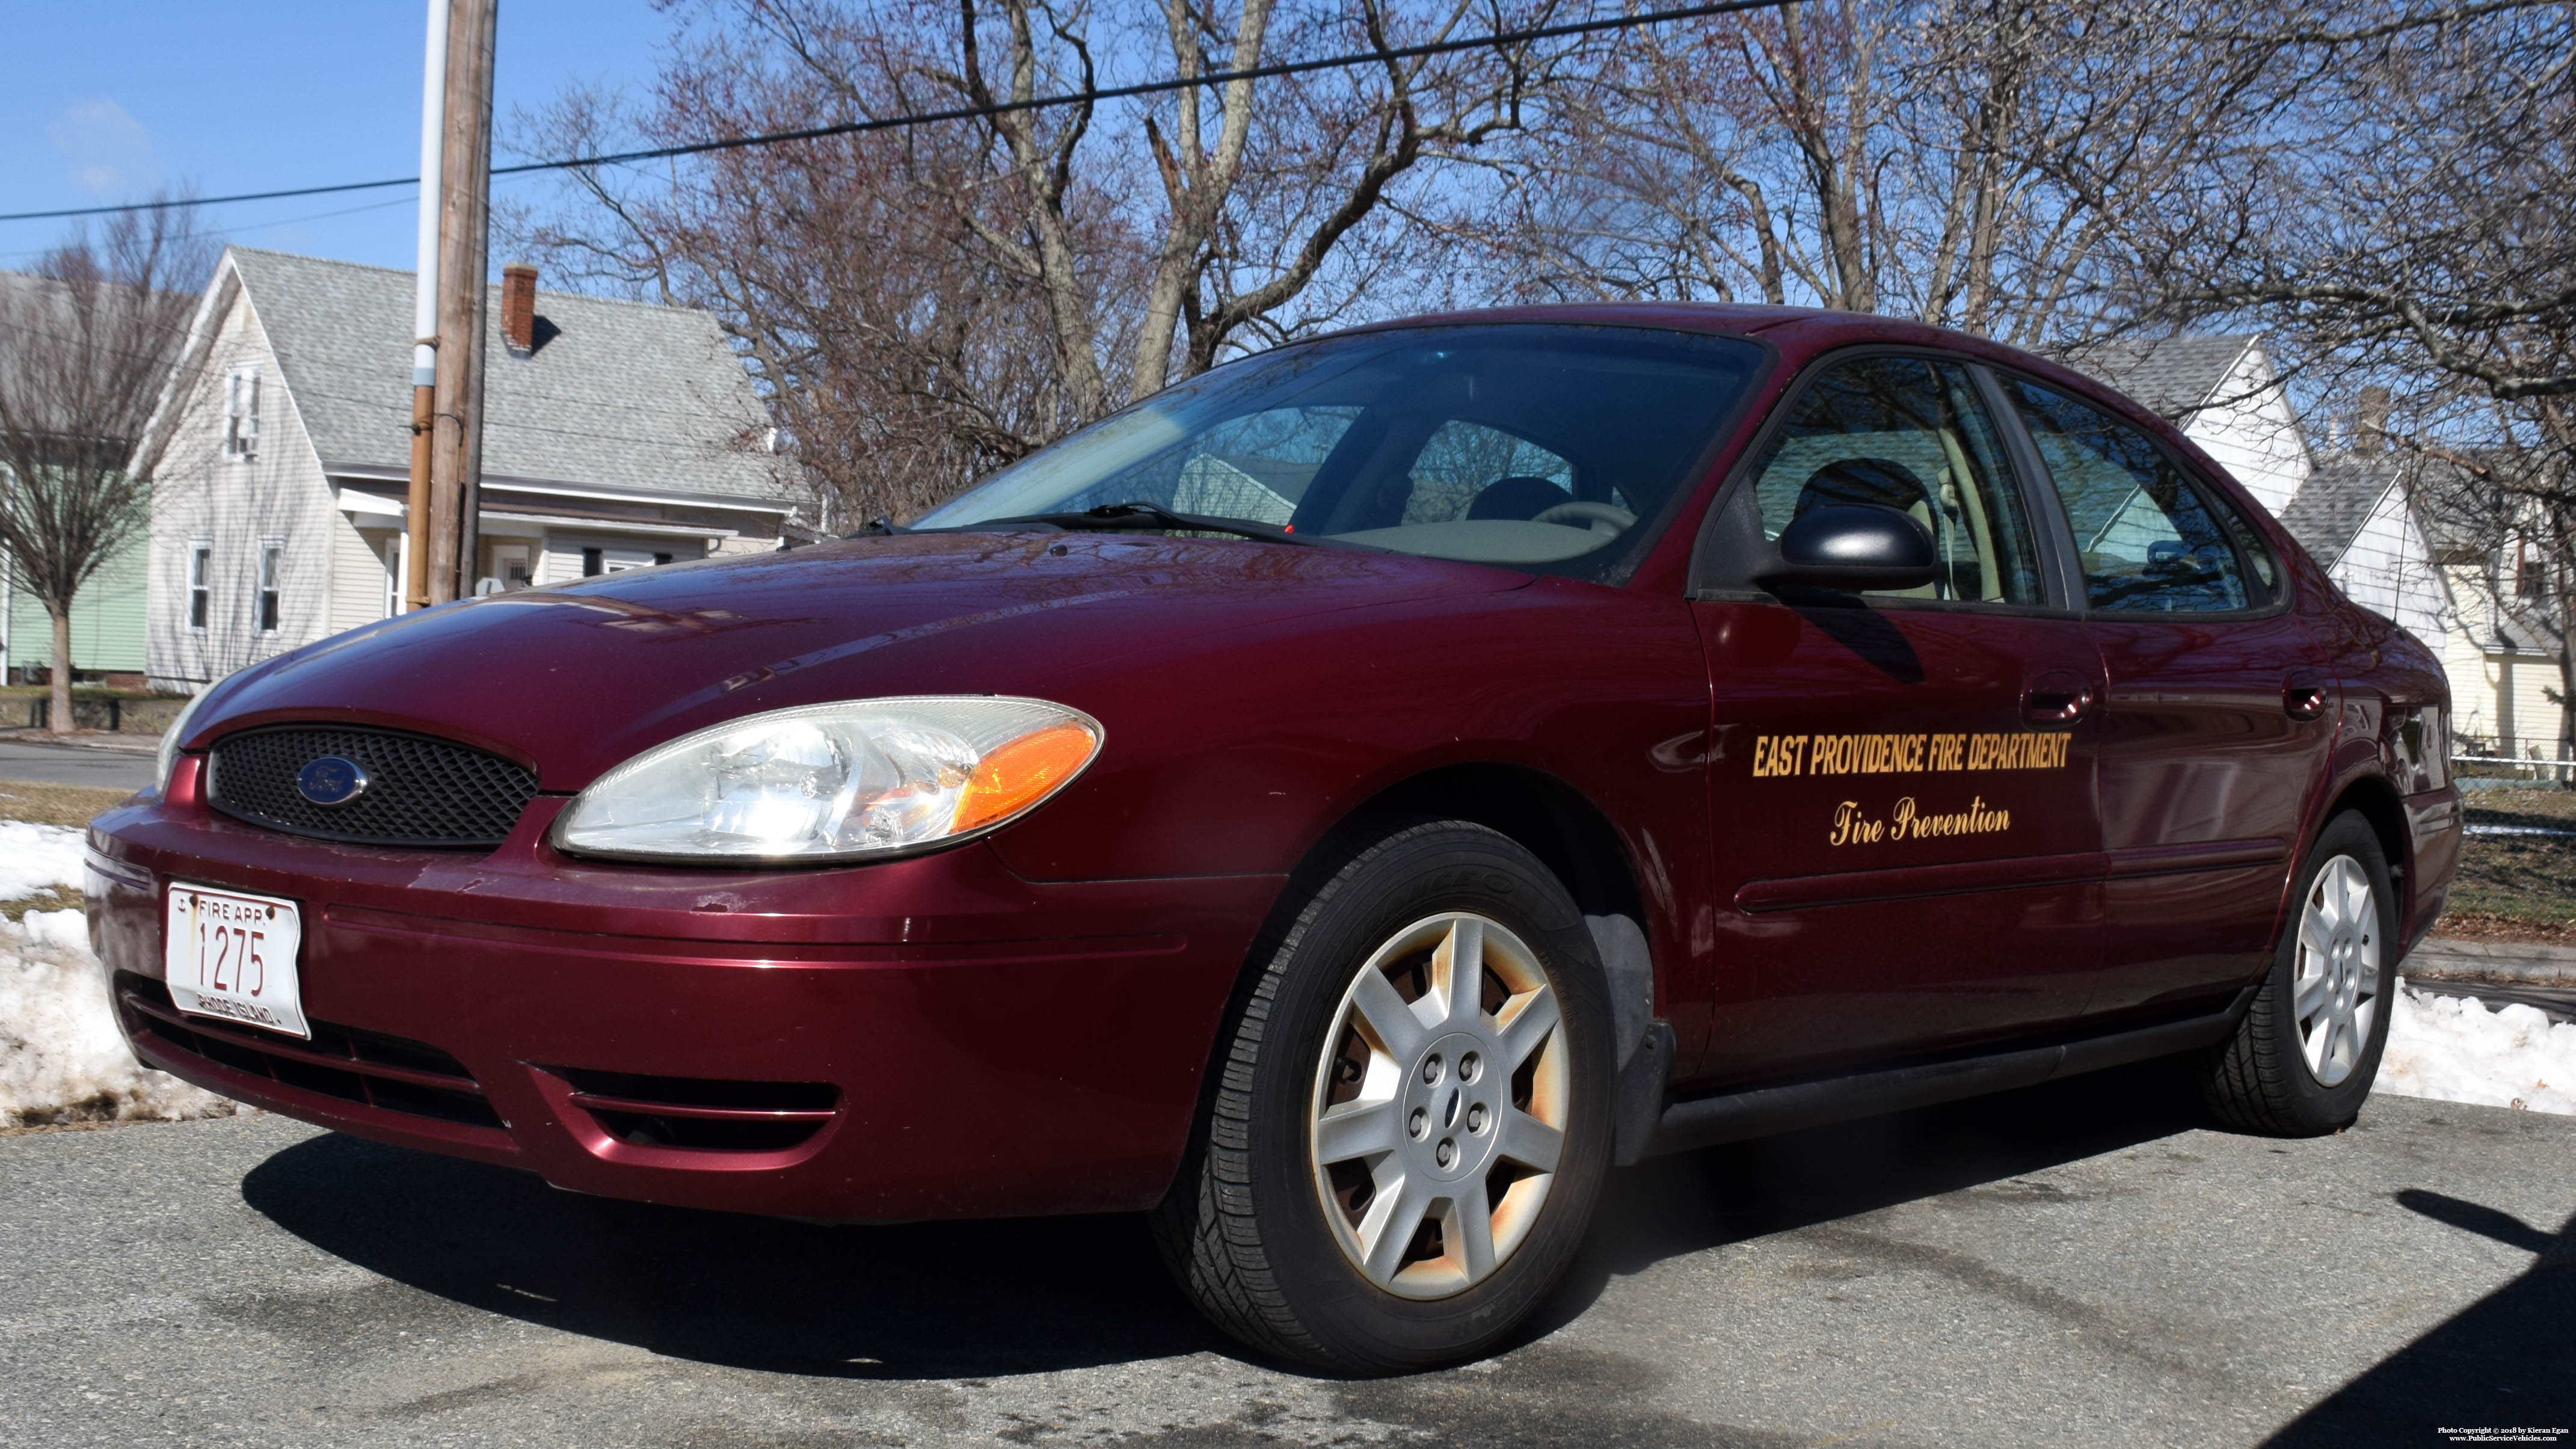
850,781
170,738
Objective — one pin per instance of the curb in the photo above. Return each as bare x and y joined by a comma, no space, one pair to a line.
2439,960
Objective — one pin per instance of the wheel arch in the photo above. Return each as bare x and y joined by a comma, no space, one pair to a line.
1538,811
2376,801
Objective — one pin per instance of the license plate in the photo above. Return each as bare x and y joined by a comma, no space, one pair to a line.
231,955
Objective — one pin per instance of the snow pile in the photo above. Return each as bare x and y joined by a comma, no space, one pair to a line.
61,1056
33,857
2453,1049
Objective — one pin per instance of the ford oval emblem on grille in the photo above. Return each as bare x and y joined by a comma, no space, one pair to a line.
330,780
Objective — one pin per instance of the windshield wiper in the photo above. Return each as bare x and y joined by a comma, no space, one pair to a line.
1126,515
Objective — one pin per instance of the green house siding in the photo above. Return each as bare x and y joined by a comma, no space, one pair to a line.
107,619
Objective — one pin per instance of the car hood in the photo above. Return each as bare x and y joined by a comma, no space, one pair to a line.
577,678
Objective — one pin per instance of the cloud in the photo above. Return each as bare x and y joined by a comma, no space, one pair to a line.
108,149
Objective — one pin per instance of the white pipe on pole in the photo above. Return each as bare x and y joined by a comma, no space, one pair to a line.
433,131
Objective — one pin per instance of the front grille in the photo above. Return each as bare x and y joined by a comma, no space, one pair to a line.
392,1073
702,1113
420,790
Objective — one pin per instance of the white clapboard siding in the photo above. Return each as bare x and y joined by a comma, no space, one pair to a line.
2387,568
357,575
279,496
2249,429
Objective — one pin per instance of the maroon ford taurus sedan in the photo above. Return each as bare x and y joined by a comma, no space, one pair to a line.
1343,805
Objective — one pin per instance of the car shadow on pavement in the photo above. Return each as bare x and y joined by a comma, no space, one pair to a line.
917,1300
967,1299
2506,1362
1667,1207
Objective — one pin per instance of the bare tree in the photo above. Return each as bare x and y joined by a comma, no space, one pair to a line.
92,339
926,303
1972,163
2408,228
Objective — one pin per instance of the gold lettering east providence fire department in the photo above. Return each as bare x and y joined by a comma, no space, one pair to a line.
1778,755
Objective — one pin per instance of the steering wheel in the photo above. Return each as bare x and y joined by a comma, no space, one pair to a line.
1595,513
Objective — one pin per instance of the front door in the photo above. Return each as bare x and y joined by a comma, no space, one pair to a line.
2216,723
1907,852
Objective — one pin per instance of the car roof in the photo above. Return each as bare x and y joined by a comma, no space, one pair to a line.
1799,334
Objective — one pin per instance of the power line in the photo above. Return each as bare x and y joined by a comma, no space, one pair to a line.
964,113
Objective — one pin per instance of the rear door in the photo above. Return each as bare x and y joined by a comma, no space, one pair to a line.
1907,855
2216,725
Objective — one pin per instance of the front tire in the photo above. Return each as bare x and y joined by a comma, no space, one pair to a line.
1412,1119
2308,1050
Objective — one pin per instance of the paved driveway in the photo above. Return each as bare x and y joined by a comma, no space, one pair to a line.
2074,1264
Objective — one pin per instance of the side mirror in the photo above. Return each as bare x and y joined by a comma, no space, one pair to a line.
1854,546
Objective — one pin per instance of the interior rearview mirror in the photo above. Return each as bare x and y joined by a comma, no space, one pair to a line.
1854,546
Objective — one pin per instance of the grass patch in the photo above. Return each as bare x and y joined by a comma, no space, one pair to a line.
2516,887
71,805
51,898
80,691
2554,808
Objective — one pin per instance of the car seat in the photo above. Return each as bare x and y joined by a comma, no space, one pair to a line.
1517,497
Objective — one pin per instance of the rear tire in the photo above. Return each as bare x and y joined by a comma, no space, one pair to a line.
1365,1192
2308,1050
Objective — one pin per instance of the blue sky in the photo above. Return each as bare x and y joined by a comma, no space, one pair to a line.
105,100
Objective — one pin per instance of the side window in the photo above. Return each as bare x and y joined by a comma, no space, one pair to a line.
2249,542
241,414
1907,433
1468,470
272,564
201,562
1254,467
2148,541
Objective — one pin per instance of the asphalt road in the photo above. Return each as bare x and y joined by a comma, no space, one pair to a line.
75,765
2070,1264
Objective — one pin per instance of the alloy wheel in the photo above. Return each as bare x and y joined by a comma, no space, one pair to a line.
2334,987
1440,1106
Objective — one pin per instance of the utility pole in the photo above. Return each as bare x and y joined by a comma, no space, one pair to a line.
464,220
424,309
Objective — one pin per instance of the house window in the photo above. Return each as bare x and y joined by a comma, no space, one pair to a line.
201,558
2530,573
660,559
272,561
241,414
393,551
590,563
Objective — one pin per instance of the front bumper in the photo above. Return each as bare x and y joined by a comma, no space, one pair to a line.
932,1037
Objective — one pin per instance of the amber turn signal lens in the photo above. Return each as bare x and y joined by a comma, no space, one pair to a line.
1014,776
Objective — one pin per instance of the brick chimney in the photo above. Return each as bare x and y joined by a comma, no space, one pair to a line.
2370,421
519,308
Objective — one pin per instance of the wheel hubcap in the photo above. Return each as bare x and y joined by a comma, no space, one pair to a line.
1440,1106
2334,987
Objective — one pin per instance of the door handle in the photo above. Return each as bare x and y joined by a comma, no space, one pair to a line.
2057,697
2303,694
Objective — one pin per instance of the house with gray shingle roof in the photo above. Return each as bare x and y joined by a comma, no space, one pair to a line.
2223,394
621,435
2352,510
2491,560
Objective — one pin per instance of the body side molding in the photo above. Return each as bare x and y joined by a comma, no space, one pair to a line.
1708,1121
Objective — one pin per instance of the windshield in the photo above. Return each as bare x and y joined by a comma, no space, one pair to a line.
1552,448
